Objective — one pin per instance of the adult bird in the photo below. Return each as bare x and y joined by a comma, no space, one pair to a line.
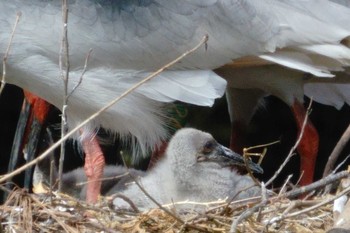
131,39
296,75
195,168
247,84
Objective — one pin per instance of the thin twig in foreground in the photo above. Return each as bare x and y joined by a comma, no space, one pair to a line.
64,74
329,187
249,211
93,116
294,193
344,192
261,156
157,203
291,152
126,199
82,74
148,195
4,59
53,215
341,164
336,152
316,185
103,179
284,186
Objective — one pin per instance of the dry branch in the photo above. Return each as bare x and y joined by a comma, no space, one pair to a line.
336,152
4,59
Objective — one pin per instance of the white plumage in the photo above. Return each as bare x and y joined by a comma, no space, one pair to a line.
131,39
194,169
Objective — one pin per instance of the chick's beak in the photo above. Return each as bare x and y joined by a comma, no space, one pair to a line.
227,157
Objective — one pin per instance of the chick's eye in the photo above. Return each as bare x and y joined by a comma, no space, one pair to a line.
208,147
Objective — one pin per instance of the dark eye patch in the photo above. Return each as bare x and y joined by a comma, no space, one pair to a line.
209,146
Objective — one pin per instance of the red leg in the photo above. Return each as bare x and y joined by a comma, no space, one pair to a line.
40,108
38,112
94,165
308,146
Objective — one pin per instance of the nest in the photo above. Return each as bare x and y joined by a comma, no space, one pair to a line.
55,212
281,210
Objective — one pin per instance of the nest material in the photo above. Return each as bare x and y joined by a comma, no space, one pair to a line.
24,212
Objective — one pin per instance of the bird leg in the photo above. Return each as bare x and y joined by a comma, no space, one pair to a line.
32,118
94,165
308,146
40,108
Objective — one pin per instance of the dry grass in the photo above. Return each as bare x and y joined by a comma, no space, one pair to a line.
25,212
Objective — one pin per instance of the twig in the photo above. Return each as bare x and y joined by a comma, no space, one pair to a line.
291,152
263,199
125,198
340,164
236,203
318,184
344,192
52,167
64,73
291,194
217,202
284,186
332,159
93,116
293,205
4,59
261,156
329,187
248,213
82,74
51,212
102,227
149,196
103,179
5,189
289,208
239,192
158,204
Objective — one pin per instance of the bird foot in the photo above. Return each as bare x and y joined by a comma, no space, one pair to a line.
94,165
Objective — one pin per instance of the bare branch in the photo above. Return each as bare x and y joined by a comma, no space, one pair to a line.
261,156
284,186
336,152
291,152
248,212
4,60
316,185
157,203
149,196
294,193
344,192
64,70
82,74
126,199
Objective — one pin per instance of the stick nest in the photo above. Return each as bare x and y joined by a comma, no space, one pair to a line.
24,212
